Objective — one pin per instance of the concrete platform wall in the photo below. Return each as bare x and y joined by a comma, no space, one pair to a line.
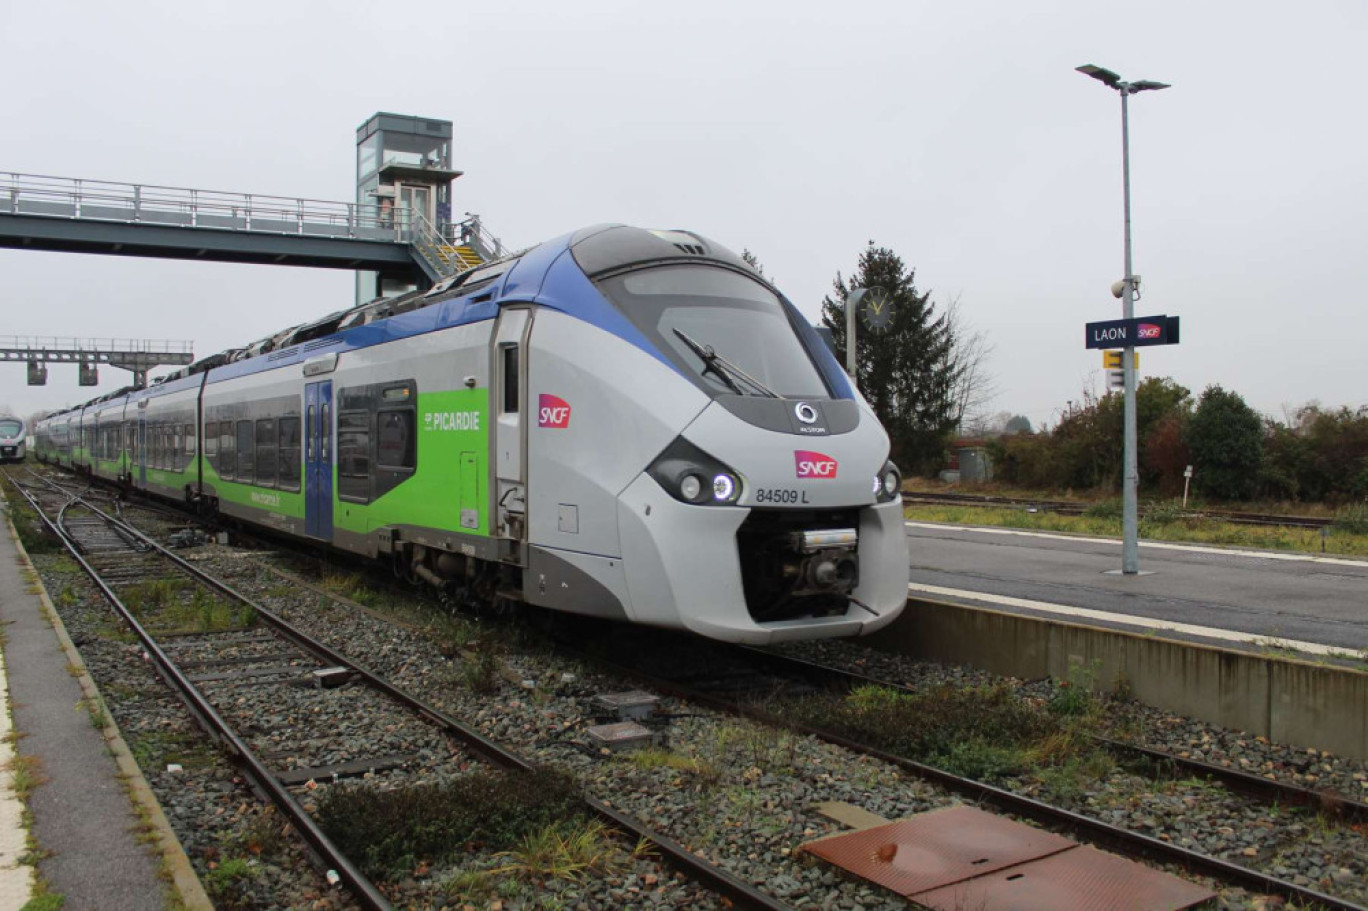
1289,701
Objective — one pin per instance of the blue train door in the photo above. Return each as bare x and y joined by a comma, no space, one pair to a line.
318,460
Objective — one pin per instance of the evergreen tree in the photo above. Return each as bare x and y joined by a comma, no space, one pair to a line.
907,372
1226,438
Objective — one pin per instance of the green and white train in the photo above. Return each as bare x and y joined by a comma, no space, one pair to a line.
624,423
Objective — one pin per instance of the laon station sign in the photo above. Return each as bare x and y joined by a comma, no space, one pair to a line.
1133,333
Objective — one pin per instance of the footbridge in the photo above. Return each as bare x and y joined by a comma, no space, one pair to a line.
75,215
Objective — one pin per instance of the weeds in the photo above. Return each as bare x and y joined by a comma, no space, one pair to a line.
390,832
703,773
26,775
480,672
563,850
983,732
227,882
1351,519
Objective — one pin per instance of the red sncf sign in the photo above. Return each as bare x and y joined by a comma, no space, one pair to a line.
813,465
553,411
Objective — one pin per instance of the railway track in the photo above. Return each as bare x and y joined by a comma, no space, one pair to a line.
746,681
259,648
1073,508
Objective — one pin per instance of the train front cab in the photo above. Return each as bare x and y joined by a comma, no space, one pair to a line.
613,420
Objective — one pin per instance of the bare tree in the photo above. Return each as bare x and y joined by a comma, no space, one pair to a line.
972,386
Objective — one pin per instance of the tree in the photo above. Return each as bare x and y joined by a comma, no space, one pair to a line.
908,371
1018,423
972,387
1226,439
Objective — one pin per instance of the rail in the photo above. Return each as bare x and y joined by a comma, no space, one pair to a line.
738,892
1118,838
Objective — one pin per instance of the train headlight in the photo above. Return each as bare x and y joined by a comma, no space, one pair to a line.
690,475
888,483
725,488
690,487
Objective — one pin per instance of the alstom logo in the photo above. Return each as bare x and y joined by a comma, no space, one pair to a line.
553,411
813,464
1149,330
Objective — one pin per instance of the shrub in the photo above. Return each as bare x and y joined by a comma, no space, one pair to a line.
1226,437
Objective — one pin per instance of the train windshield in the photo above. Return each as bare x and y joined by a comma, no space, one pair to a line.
728,331
9,427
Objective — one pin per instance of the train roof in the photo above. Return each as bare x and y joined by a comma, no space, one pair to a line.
543,274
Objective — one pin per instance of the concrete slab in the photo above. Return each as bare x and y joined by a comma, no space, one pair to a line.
82,815
849,815
16,879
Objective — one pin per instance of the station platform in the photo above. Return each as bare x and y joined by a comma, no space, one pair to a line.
95,835
1232,597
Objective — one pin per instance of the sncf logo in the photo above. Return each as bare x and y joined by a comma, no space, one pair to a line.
1149,330
813,464
553,411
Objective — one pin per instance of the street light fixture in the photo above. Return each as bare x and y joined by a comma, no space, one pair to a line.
1130,485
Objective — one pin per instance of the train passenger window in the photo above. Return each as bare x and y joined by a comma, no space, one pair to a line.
190,440
312,432
325,434
227,451
510,379
395,443
211,439
177,447
246,453
288,432
353,455
266,452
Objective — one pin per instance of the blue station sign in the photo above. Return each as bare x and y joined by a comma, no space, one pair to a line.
1133,333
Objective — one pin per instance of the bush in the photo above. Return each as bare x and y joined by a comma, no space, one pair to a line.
390,831
1226,437
1352,519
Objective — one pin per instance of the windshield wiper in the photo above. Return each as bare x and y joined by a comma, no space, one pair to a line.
724,369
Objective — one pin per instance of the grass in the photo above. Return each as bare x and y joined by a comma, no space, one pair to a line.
989,733
480,672
180,606
26,775
391,833
227,880
569,850
1099,522
352,586
702,772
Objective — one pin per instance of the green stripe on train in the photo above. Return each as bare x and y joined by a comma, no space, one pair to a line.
452,475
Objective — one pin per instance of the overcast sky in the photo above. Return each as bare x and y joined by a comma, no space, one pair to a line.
957,134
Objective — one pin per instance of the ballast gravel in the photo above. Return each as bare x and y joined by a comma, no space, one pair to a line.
739,794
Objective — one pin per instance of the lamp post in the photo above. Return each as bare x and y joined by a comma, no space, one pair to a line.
1130,485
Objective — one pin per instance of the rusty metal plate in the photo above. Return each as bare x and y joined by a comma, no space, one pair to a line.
1082,879
936,848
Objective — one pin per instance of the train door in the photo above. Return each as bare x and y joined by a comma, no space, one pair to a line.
510,427
318,460
140,449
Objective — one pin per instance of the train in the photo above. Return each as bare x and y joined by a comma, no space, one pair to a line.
13,438
625,423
